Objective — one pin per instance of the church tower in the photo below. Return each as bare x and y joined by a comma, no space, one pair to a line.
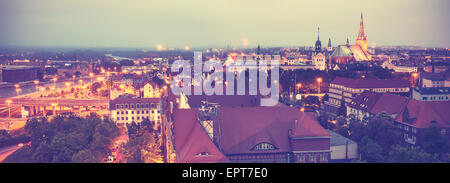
329,48
318,43
361,40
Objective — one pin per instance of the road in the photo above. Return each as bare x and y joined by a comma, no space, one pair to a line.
6,151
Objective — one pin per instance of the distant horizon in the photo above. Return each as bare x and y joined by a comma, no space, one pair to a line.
181,48
206,23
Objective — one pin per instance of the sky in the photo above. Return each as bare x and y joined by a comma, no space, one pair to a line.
218,23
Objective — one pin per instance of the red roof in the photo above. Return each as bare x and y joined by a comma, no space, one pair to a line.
371,83
364,101
241,129
422,113
244,127
191,140
389,103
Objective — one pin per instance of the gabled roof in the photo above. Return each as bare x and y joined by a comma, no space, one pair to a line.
243,128
390,103
342,51
364,101
422,113
191,140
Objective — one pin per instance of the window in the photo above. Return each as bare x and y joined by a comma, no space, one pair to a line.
312,158
146,105
324,157
259,147
443,131
118,112
301,158
137,112
118,118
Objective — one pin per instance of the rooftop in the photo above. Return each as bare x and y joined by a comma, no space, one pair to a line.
371,83
433,90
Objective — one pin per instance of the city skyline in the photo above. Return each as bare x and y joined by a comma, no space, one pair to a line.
140,24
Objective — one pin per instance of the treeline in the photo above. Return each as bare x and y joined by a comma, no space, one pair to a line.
67,138
379,141
144,143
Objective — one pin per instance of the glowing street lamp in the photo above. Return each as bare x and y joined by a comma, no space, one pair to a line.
18,90
68,84
319,80
54,107
298,86
54,81
91,75
9,108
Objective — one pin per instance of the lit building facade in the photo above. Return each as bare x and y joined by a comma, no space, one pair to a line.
124,110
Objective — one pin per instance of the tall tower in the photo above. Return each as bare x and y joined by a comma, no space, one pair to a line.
361,40
329,48
318,43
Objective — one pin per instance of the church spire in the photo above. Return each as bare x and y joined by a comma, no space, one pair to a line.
361,35
329,42
318,43
348,44
318,30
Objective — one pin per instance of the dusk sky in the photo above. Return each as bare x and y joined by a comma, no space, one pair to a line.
218,23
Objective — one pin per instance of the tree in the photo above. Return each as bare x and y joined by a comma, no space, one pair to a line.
85,156
70,138
95,86
434,141
370,150
143,148
402,154
382,130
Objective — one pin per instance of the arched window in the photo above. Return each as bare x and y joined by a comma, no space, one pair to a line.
264,147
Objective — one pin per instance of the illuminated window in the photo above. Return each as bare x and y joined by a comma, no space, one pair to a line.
263,146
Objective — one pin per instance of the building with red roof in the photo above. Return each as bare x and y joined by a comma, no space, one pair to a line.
343,90
247,134
411,116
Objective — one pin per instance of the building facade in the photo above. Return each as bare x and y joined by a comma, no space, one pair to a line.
344,90
126,109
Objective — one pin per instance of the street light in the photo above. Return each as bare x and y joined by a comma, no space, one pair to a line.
54,107
319,80
91,75
54,81
18,91
9,108
414,75
298,85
